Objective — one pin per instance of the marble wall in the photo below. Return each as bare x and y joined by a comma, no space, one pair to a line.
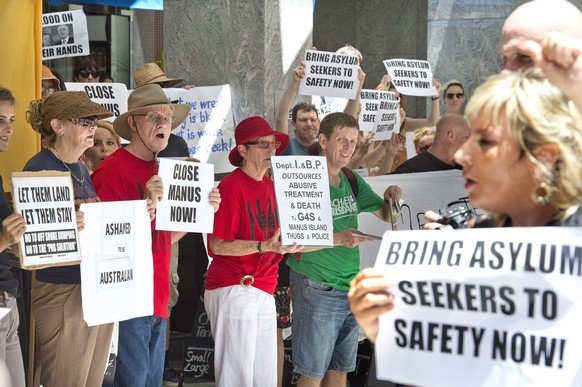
249,45
380,29
463,38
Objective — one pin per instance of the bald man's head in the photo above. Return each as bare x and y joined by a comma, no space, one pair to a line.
452,130
532,21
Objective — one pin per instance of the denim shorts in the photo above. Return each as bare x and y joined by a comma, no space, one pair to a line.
325,333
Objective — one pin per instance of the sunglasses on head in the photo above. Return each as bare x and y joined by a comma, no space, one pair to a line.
86,73
458,95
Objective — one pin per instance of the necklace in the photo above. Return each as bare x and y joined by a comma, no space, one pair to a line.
82,179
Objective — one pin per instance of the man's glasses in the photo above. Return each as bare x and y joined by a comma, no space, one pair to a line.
84,121
458,95
154,118
265,144
86,73
50,90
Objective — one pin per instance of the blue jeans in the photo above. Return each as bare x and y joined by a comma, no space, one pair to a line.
325,333
141,351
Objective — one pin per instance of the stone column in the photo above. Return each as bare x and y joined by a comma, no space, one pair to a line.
250,45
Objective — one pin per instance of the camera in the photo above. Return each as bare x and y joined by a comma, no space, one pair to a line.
455,217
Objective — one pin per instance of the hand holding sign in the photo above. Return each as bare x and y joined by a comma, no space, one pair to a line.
369,298
80,216
214,199
154,190
13,228
274,244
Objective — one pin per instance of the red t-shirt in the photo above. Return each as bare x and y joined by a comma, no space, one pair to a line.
122,176
247,211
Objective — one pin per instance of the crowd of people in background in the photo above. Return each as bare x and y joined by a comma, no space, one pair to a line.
524,124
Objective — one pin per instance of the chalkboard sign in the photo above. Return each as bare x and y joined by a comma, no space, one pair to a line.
199,352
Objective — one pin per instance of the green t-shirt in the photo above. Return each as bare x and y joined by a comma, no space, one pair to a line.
337,266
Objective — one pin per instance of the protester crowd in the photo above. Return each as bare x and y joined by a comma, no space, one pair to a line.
524,124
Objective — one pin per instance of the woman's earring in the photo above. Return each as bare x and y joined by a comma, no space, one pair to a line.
541,194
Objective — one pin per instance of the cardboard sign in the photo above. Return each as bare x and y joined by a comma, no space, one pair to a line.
303,200
117,270
64,34
46,202
185,205
496,307
112,96
330,74
209,129
411,77
380,114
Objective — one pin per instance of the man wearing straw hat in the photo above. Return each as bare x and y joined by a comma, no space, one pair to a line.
130,173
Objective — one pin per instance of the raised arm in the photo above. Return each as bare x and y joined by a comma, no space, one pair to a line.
286,102
559,58
353,106
431,119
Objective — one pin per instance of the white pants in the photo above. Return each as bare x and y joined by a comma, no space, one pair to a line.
11,365
244,326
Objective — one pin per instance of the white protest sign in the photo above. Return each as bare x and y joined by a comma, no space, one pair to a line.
64,34
411,77
487,307
421,192
112,96
46,202
185,206
330,74
117,271
380,113
209,129
303,200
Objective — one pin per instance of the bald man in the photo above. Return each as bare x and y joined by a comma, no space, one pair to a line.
452,130
531,22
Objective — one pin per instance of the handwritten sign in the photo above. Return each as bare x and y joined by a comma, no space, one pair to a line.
498,306
411,77
380,113
303,200
117,266
46,202
112,96
64,34
209,129
330,74
199,354
185,206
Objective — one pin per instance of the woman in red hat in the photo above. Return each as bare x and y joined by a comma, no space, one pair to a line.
246,249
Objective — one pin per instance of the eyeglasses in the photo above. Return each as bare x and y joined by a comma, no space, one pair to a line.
458,95
265,144
86,73
49,89
84,121
154,118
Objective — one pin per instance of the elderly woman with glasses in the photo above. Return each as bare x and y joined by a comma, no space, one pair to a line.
454,94
71,353
245,248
